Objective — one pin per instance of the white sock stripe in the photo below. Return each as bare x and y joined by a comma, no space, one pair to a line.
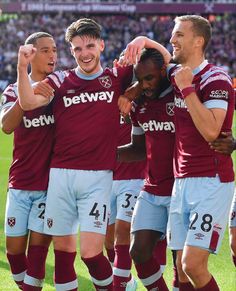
153,278
33,281
67,286
104,282
19,277
162,268
121,272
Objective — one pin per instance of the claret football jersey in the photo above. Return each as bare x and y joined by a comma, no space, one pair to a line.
127,171
155,118
87,117
193,156
32,145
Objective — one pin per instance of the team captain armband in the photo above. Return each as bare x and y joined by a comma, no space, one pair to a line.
187,91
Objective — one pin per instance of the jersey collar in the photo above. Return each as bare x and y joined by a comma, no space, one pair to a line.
200,67
88,77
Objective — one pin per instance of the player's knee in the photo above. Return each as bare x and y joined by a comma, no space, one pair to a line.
16,245
192,267
140,253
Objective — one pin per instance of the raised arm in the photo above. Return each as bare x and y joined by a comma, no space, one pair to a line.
133,50
27,99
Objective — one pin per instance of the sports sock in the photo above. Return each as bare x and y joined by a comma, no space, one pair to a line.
159,252
210,286
36,268
100,271
234,260
111,255
175,282
122,267
18,265
185,286
64,271
150,274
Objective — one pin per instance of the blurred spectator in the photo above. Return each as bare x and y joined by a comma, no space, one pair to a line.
118,31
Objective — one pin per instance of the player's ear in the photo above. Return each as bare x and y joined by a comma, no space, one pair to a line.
163,70
72,51
199,41
102,45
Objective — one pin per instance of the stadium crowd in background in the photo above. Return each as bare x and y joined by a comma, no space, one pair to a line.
125,1
118,31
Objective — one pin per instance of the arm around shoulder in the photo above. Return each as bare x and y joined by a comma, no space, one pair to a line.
11,118
134,49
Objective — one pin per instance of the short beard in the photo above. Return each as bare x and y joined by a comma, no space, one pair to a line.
179,59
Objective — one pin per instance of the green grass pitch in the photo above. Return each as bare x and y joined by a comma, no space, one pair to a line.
220,266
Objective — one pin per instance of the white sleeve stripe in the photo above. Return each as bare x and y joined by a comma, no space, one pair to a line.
216,78
61,76
9,104
55,80
137,130
209,73
221,104
10,93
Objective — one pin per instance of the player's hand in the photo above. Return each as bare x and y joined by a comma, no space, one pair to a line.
26,54
133,91
184,77
44,89
116,64
124,105
224,144
133,51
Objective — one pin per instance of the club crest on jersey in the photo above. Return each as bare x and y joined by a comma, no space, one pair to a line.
170,108
105,81
11,221
49,222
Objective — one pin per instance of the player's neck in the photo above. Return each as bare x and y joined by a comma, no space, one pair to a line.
37,77
194,62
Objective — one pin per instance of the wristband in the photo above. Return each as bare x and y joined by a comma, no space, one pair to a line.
187,91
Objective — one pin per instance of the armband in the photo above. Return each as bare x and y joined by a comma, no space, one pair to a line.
187,91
